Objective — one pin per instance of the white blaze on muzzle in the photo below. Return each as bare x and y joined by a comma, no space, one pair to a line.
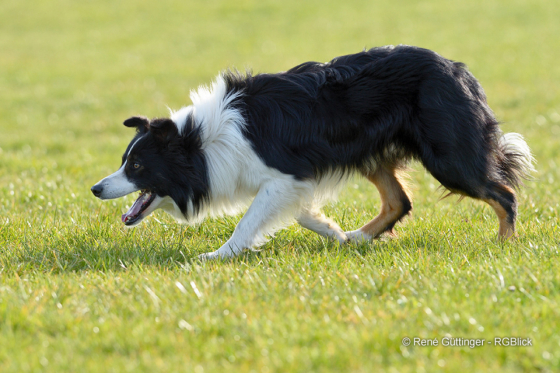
116,185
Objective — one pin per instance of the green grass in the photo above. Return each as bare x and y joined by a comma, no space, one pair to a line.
78,292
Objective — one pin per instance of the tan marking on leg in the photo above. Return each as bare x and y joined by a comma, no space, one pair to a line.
507,229
390,185
505,187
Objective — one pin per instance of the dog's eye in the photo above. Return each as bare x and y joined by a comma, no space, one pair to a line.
136,165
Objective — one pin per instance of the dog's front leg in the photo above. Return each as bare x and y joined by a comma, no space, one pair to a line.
275,204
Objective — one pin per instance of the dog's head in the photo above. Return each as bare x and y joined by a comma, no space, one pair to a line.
168,168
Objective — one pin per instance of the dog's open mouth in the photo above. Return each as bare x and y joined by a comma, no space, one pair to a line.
140,205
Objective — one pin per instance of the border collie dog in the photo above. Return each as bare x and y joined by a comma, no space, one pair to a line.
285,144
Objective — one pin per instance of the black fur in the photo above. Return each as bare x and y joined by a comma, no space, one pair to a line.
341,115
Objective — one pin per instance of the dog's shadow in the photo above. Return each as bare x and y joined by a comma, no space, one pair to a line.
116,249
98,246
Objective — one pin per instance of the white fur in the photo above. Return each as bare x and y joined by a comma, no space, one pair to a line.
180,117
229,156
515,144
116,185
358,236
316,221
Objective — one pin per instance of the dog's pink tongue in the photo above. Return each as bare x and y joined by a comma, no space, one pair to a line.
135,209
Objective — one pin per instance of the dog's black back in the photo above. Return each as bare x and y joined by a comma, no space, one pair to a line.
381,105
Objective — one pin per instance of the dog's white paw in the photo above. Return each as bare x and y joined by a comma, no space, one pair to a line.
358,236
340,237
211,256
222,253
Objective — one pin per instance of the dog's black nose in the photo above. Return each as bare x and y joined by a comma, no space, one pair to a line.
97,190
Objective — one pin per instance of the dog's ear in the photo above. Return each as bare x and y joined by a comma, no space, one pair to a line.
164,130
140,123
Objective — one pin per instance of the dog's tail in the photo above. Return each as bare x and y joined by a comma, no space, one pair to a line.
515,160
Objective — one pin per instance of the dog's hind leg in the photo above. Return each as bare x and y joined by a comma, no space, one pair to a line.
395,204
504,202
317,222
276,203
478,185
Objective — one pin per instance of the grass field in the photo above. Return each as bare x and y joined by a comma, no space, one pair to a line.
79,292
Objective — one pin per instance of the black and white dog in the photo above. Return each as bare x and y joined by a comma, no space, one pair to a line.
288,142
